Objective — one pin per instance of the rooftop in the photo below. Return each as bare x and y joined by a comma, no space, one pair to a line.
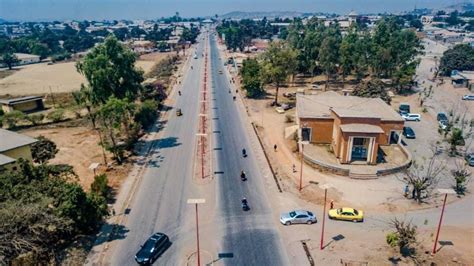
11,140
25,56
20,100
320,106
361,128
5,159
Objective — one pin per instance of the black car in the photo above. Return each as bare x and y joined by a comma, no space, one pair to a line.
152,249
409,133
442,117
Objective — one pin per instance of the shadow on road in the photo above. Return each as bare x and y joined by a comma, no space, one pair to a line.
167,143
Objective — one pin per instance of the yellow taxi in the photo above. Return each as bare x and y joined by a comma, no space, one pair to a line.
346,214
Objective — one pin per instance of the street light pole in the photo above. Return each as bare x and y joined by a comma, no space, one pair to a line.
196,202
446,192
324,218
301,168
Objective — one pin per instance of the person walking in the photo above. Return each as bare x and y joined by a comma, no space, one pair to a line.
407,189
294,168
275,147
331,205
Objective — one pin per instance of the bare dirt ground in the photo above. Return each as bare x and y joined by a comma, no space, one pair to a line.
78,147
60,77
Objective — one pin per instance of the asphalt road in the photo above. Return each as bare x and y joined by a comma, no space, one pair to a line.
250,236
161,198
160,202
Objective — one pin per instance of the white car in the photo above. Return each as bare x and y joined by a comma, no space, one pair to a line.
412,117
468,97
298,217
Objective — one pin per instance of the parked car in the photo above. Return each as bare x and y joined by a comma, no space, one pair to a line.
470,159
412,117
468,97
409,133
152,249
443,124
404,108
297,217
442,117
346,214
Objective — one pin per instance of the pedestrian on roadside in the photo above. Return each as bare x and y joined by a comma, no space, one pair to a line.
407,189
331,205
413,193
294,168
113,212
275,147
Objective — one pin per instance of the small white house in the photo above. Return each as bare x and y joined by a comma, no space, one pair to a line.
25,59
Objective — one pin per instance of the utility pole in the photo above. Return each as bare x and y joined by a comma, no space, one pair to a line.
324,218
196,202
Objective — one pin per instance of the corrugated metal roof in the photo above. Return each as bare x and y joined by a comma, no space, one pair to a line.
10,140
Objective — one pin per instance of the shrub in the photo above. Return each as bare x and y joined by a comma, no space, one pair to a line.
56,115
147,113
13,118
35,119
392,239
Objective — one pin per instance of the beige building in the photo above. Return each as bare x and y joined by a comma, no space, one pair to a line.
354,127
24,104
14,146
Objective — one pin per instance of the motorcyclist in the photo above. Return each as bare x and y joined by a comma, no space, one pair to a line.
179,93
242,175
244,201
244,153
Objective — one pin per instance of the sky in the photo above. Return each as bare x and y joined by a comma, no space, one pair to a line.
34,10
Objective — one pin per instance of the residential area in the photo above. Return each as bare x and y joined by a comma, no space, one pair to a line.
340,137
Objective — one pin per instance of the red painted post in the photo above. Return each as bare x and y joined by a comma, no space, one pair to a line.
202,157
301,168
439,225
197,237
324,218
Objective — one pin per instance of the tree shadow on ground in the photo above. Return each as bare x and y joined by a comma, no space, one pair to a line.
117,232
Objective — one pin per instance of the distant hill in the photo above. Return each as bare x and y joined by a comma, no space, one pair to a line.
462,7
261,14
2,20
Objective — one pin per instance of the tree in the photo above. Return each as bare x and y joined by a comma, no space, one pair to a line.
456,139
460,57
347,50
251,78
329,52
461,177
373,88
423,179
114,118
403,236
40,49
13,118
110,71
9,59
100,185
278,62
43,150
146,114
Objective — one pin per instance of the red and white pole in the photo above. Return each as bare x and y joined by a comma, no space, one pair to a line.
324,218
439,225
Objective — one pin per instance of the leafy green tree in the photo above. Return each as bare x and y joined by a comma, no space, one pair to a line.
251,73
35,119
9,59
40,49
460,57
57,115
278,62
329,54
461,176
115,117
43,150
110,71
456,139
100,185
147,114
373,88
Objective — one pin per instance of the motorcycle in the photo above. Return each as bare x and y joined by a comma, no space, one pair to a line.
245,205
233,98
243,177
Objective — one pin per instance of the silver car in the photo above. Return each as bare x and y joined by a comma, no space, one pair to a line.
298,217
